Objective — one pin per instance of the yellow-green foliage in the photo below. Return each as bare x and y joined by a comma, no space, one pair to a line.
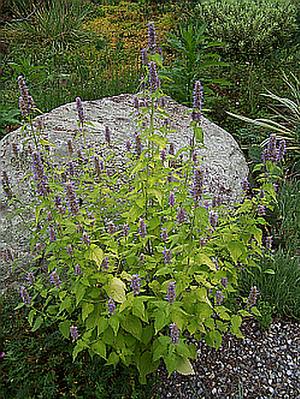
125,25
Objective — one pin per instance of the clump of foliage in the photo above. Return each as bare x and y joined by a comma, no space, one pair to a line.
57,24
40,364
278,281
252,30
285,120
258,45
278,277
194,58
129,260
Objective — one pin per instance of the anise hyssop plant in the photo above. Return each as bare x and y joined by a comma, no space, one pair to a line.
130,260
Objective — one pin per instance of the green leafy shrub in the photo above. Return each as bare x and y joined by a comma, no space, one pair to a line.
40,365
194,59
134,258
251,29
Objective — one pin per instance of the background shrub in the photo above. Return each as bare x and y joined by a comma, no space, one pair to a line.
252,29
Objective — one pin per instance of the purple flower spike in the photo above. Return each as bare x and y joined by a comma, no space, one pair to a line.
274,151
171,292
163,155
128,145
111,306
77,270
144,56
71,197
172,149
219,298
281,150
269,242
105,263
203,241
2,355
142,228
26,103
174,333
197,185
154,82
25,296
79,108
39,175
195,157
107,135
181,216
71,168
261,210
164,235
74,333
30,278
111,228
213,218
135,284
253,295
172,199
54,279
197,101
138,144
70,147
59,205
52,235
6,185
85,238
167,255
125,230
224,281
245,185
151,38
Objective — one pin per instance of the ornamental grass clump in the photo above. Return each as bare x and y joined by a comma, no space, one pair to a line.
137,258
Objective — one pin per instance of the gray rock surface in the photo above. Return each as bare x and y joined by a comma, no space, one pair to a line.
223,159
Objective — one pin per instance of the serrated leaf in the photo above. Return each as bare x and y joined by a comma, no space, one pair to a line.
214,339
87,308
113,359
102,324
99,348
80,346
146,366
31,316
117,290
133,326
184,366
64,328
37,324
138,309
235,249
203,259
114,322
96,254
161,320
79,292
199,134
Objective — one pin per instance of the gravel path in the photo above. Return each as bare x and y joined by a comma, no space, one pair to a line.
264,365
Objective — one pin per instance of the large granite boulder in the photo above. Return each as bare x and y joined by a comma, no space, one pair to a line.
223,159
